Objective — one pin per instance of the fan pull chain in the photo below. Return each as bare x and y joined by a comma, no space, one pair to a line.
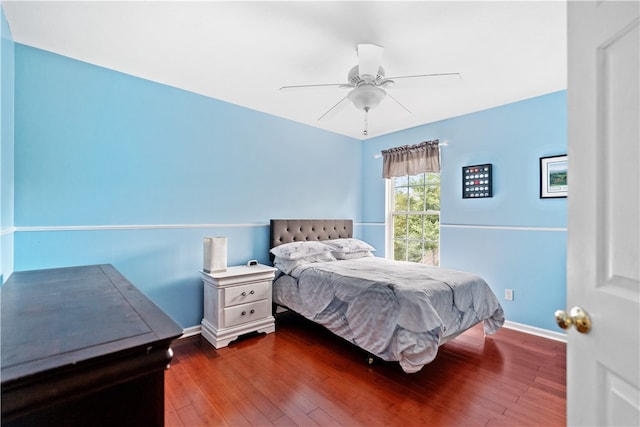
365,132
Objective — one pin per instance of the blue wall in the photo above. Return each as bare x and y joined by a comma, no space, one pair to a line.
6,148
110,168
514,240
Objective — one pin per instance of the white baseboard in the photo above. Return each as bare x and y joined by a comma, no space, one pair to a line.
189,332
544,333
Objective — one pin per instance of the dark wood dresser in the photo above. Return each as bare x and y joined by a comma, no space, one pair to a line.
81,346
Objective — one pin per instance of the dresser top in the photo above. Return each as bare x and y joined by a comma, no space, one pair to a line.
64,316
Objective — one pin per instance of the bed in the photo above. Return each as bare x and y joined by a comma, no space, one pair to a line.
395,310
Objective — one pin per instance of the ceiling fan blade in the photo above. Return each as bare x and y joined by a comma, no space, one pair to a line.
424,75
369,59
399,103
331,112
316,86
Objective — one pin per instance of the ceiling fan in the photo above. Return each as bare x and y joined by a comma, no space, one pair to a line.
367,82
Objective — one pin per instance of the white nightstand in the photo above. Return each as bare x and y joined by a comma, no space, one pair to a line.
236,302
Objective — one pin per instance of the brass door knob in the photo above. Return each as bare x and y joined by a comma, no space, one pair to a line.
577,317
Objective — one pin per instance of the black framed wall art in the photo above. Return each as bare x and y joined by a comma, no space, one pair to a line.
553,177
477,181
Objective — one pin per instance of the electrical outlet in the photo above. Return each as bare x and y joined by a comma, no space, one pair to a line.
508,294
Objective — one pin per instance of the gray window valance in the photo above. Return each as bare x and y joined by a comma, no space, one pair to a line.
411,159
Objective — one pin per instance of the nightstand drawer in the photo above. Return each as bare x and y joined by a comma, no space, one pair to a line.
246,313
247,293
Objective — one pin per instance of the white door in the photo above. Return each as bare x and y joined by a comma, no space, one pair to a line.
603,256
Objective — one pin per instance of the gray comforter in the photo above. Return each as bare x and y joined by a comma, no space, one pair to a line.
399,311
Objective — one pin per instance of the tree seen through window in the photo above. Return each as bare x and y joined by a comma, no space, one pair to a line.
416,218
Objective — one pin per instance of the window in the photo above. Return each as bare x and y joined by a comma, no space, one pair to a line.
413,223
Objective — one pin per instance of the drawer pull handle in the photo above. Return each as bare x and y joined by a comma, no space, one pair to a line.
243,313
244,294
252,311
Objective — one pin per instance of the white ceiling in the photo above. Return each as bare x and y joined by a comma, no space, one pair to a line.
243,52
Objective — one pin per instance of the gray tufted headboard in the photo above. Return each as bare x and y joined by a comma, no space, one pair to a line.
296,230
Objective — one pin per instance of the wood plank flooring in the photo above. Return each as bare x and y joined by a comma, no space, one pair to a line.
302,375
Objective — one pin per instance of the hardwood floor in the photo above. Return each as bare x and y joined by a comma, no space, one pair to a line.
302,375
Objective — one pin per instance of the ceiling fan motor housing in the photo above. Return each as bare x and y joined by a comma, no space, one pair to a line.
355,79
366,94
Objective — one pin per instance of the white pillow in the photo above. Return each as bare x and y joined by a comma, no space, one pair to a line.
298,250
352,255
348,245
287,265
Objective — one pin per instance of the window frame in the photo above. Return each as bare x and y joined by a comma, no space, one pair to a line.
389,216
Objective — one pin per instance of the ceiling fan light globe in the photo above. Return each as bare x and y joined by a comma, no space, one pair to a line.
366,97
